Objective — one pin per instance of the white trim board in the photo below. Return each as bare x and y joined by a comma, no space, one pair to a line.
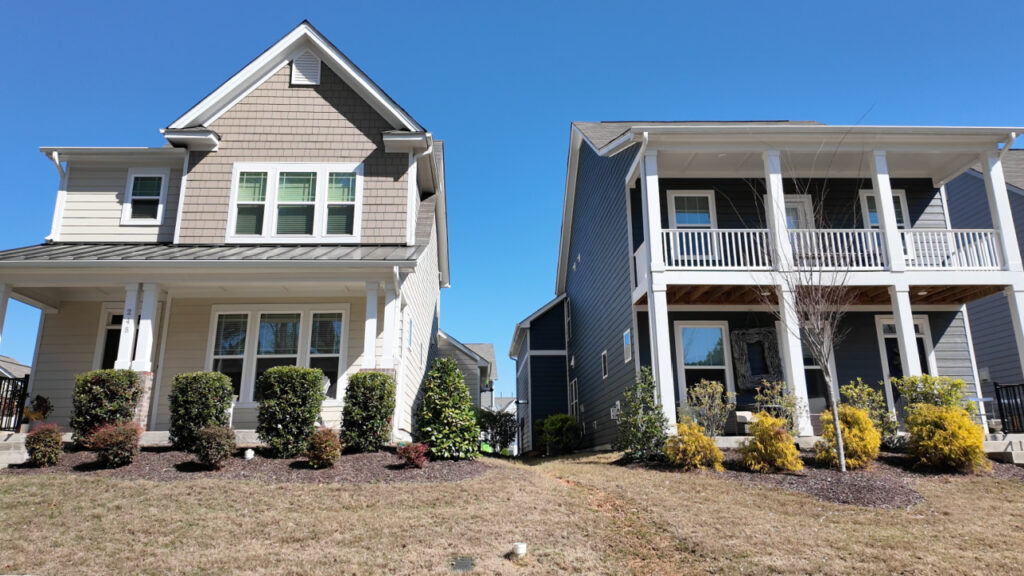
127,219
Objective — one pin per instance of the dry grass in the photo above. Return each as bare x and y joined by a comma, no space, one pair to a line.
579,515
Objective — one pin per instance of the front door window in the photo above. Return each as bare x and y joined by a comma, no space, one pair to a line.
892,363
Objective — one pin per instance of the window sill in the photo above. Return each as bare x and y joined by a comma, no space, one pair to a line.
141,222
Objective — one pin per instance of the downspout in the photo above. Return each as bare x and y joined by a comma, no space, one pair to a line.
1006,145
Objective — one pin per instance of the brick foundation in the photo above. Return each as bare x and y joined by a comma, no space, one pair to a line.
146,401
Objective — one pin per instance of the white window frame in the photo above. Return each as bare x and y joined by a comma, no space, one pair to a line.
568,321
604,365
627,346
677,335
273,170
920,321
574,399
898,195
803,203
126,207
709,194
306,312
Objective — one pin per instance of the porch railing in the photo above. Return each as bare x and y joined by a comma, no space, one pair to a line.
853,249
1010,406
13,392
953,249
720,249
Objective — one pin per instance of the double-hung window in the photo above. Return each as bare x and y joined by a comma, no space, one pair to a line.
229,347
872,216
144,196
692,212
295,203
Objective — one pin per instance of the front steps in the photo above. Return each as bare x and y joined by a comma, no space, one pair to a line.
1007,448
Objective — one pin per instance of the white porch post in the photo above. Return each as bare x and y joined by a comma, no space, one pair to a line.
657,301
124,348
887,211
775,211
793,356
999,205
144,341
370,328
390,327
5,296
906,336
1015,296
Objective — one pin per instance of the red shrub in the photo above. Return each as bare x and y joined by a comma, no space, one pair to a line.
116,445
415,454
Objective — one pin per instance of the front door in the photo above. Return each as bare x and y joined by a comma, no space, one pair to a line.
892,363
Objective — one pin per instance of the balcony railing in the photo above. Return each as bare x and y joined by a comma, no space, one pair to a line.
748,249
839,249
952,249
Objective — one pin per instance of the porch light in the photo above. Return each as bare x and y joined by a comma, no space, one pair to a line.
922,292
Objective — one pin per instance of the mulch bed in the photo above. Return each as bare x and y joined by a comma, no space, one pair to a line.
171,466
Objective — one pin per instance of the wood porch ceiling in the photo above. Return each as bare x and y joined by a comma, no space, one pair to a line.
861,295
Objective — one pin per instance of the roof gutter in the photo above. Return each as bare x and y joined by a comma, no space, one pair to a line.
55,158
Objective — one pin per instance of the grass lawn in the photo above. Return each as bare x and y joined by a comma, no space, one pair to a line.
579,515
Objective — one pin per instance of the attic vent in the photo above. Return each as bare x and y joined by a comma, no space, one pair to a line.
306,70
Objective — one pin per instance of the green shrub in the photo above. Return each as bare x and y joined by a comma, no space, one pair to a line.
198,400
369,408
499,428
558,433
292,398
642,423
415,455
946,437
324,448
860,394
117,444
41,407
445,419
933,390
771,448
860,440
709,405
777,399
214,445
690,449
45,445
103,397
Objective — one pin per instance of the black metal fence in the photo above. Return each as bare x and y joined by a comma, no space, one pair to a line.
1010,404
13,392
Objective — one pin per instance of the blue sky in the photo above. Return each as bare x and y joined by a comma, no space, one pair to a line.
500,83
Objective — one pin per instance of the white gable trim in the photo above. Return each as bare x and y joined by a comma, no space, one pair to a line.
303,37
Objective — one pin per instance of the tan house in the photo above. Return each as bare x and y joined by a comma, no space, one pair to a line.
296,216
476,362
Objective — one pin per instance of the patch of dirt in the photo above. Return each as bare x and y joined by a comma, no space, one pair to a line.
175,466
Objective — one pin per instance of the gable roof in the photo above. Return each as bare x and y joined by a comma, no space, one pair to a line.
486,351
11,368
501,404
524,325
303,37
466,349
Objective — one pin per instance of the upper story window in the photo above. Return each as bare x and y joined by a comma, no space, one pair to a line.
295,203
144,196
692,209
869,208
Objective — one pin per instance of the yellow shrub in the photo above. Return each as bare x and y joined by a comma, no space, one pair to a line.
692,450
772,448
946,437
860,439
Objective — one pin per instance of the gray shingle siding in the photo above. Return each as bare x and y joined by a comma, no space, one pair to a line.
598,288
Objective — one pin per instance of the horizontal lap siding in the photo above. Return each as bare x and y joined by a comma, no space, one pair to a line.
523,396
94,200
467,365
547,331
598,288
67,348
277,122
952,352
422,293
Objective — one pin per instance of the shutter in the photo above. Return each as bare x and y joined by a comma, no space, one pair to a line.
306,70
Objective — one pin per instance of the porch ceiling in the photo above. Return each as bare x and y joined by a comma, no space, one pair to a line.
861,295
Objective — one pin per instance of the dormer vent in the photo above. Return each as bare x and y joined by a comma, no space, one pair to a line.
306,69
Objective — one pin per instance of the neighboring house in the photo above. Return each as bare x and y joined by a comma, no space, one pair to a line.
668,256
476,362
992,330
508,406
296,216
539,349
11,368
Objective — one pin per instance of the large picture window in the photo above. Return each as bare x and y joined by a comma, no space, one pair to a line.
249,340
295,202
702,353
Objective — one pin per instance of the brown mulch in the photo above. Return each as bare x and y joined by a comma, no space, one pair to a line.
172,466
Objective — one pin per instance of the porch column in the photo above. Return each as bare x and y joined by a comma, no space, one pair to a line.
661,338
5,296
792,352
999,205
887,211
370,328
906,336
651,192
147,318
127,342
775,211
1015,296
387,360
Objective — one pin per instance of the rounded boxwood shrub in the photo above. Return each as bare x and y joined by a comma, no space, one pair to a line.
558,433
690,449
946,437
445,418
771,447
324,448
861,440
103,397
292,398
198,400
369,408
214,445
117,444
44,445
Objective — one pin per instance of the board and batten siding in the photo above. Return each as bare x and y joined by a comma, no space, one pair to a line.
278,122
94,199
598,289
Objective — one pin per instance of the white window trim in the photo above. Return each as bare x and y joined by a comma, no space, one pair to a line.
306,312
920,320
805,204
108,309
273,169
677,327
709,194
897,196
126,206
627,346
604,365
574,399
